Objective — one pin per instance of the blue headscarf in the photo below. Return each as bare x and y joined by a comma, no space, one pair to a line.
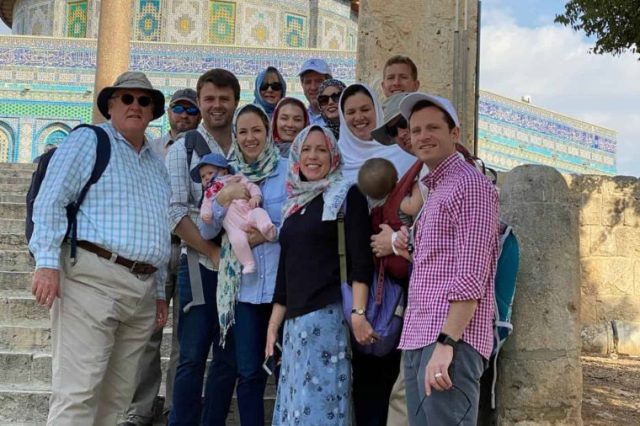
266,106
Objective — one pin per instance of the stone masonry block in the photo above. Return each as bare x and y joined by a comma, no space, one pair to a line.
602,241
623,308
610,276
627,241
613,208
591,209
588,310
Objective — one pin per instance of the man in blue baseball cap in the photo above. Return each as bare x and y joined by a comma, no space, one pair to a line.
312,73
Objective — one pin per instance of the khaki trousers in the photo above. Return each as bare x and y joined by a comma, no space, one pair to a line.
398,401
100,325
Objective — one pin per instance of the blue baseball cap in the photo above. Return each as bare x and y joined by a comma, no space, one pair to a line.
214,160
315,64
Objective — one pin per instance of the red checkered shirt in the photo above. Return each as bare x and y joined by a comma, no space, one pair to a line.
456,248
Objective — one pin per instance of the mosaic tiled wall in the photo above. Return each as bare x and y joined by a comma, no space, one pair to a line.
77,17
260,26
147,20
35,17
295,31
46,86
222,22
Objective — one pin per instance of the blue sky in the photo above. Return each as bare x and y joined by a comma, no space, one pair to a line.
524,53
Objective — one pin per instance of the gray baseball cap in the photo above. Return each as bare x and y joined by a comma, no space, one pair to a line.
131,80
391,108
188,95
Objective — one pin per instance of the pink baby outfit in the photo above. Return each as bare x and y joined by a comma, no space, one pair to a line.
239,216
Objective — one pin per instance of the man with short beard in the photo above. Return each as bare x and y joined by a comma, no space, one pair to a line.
218,94
312,73
184,115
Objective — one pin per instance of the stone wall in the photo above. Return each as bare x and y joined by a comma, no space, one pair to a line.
609,229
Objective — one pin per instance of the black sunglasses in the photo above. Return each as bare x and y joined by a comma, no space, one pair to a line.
324,99
392,129
127,99
276,86
179,109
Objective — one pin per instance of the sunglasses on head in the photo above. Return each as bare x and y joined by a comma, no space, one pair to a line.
127,99
392,129
276,86
179,109
324,99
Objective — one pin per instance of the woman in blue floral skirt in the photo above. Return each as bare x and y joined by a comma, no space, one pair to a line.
315,378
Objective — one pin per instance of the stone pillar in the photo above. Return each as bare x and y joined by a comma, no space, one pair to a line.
114,34
540,376
441,38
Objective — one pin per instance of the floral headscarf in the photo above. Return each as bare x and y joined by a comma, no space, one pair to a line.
258,99
333,187
229,274
334,125
282,145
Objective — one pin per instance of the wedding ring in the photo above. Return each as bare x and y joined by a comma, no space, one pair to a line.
437,375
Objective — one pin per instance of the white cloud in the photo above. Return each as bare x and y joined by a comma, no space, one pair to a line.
552,64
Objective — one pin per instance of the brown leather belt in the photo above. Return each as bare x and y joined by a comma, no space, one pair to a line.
175,239
133,267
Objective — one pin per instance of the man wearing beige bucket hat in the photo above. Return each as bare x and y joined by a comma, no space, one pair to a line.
107,300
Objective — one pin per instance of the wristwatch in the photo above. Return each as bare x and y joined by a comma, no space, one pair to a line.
359,311
445,339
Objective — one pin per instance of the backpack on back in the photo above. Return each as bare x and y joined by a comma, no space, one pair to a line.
103,154
194,141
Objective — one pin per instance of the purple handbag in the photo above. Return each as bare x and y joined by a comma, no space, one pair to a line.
385,311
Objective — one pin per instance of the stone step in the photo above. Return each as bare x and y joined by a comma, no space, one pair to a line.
15,179
11,280
22,187
17,166
19,306
25,336
13,210
25,367
16,260
12,226
13,242
13,197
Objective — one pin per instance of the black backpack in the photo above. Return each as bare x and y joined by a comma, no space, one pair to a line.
103,154
194,141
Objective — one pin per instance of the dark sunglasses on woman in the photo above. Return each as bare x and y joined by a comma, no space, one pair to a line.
276,86
127,99
179,109
324,99
392,129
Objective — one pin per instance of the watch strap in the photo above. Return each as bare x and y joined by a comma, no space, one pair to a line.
445,339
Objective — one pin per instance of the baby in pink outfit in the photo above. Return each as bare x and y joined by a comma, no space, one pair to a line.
214,172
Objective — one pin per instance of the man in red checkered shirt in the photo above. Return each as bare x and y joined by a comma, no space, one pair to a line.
448,327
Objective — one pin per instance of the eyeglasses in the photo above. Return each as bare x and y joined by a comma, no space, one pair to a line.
127,99
392,129
276,86
324,99
179,109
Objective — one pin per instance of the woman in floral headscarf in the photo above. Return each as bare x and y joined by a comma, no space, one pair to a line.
244,300
328,100
315,378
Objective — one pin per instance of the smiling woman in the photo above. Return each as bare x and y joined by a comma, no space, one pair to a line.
269,88
289,118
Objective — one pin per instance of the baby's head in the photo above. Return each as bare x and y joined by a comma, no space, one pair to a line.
210,167
377,178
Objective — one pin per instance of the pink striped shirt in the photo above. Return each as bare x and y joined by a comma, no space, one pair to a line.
456,247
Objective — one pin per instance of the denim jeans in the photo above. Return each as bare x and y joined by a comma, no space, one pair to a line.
199,331
250,334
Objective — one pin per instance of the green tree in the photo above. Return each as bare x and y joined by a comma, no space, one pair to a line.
614,23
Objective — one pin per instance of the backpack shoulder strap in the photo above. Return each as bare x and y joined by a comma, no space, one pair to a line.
194,141
342,244
103,155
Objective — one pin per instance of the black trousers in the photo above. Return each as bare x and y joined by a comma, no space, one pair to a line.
373,379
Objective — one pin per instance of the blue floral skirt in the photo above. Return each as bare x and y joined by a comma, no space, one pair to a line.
315,379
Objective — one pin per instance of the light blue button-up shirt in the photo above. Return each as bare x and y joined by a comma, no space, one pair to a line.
259,287
125,212
315,119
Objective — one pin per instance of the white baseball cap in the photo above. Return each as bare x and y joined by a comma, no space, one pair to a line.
407,104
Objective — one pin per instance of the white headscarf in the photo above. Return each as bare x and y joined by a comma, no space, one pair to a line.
356,151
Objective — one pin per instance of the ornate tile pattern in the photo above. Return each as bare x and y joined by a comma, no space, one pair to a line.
295,31
147,18
222,22
77,19
259,26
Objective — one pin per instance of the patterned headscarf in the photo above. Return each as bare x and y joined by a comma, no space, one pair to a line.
334,125
282,145
258,99
229,274
333,187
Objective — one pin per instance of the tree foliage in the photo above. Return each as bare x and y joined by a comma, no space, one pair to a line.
614,23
